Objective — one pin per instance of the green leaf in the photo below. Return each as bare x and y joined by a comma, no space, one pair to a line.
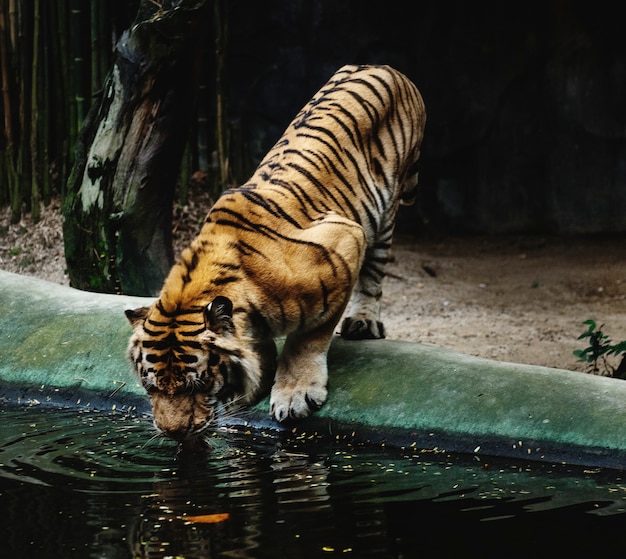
582,355
618,348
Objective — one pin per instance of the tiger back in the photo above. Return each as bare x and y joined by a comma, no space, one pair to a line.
284,255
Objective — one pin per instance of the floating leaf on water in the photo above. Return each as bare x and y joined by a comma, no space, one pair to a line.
208,518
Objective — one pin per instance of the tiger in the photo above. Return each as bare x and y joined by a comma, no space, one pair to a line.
286,255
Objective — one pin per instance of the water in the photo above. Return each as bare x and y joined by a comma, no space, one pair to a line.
95,484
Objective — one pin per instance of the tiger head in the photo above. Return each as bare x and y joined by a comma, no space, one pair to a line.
190,361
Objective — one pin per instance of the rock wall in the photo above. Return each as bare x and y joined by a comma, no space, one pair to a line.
526,126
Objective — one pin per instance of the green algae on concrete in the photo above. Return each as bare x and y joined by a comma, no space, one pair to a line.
476,401
53,337
55,340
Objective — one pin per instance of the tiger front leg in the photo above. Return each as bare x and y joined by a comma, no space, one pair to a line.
300,386
330,254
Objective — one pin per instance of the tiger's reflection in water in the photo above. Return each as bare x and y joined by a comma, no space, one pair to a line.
278,505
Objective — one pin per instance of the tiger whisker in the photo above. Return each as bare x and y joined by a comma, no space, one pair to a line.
154,437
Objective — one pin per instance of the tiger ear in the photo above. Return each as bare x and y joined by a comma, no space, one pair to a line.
219,315
136,316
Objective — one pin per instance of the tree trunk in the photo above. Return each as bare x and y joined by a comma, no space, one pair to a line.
118,206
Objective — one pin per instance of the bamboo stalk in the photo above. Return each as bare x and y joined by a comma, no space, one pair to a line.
79,61
105,49
65,117
202,120
4,187
6,96
221,129
95,44
185,174
9,161
75,73
44,104
38,130
12,25
23,157
34,119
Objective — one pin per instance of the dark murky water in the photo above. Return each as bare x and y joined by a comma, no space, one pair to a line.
89,484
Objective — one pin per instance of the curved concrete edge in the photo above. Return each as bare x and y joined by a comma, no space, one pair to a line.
67,347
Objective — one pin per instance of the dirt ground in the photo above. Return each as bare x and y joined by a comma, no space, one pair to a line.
514,298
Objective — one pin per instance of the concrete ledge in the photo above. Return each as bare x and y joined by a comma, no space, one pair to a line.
67,347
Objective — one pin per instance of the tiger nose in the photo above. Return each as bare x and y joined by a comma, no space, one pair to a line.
184,432
178,434
173,415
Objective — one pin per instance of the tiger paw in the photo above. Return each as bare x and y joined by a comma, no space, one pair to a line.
296,402
359,328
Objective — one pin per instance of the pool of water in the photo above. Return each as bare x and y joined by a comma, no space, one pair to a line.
93,484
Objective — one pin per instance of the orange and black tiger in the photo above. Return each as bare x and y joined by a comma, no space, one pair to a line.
284,255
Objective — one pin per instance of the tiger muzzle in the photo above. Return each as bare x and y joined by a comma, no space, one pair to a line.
182,416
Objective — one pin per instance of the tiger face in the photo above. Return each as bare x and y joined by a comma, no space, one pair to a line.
189,364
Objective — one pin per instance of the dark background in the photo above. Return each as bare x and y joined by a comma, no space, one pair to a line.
526,128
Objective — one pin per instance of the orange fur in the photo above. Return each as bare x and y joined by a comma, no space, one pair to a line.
283,255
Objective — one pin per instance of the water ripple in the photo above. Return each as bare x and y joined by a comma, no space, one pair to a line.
104,481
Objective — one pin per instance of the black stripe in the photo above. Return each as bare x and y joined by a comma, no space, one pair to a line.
228,266
301,195
152,332
246,249
234,225
373,88
224,280
193,263
193,333
349,131
157,324
259,324
374,116
176,313
313,180
359,144
173,323
186,358
365,184
392,111
270,206
192,344
162,344
346,200
325,293
334,145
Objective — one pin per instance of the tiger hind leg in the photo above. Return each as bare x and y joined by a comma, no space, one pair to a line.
363,317
362,321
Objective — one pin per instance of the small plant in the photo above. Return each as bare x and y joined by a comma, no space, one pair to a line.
600,348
